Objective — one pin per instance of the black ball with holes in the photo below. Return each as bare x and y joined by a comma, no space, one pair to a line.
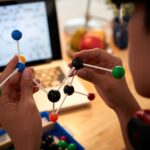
69,90
54,96
77,63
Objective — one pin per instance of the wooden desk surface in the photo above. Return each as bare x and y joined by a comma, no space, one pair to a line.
96,126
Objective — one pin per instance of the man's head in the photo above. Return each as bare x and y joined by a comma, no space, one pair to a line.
139,45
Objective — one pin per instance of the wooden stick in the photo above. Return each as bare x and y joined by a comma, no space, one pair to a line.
18,48
80,93
70,72
12,74
61,104
96,67
40,86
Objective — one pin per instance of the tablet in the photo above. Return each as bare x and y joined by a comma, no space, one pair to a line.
37,20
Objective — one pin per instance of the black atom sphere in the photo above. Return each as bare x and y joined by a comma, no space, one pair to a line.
54,96
69,90
77,63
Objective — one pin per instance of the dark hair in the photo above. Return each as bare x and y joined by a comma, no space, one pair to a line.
147,9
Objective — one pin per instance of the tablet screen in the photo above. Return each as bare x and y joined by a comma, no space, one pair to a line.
31,19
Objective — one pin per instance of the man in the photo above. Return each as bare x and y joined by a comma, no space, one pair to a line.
115,93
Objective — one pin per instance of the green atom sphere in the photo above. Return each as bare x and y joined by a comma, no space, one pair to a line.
118,72
71,146
62,144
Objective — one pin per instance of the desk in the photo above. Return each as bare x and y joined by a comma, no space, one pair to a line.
96,127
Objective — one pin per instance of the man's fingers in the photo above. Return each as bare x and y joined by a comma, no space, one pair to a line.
26,85
86,55
88,74
98,57
38,81
10,68
35,89
32,70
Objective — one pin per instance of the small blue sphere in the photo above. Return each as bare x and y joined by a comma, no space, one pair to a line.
44,114
21,67
16,35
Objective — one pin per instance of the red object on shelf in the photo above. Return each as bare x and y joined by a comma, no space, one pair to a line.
90,42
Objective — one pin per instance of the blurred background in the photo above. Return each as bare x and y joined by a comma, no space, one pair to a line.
99,127
93,23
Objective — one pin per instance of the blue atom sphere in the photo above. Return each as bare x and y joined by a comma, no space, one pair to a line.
21,67
16,35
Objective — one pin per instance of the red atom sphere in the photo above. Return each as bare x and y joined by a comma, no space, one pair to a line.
91,96
53,117
63,138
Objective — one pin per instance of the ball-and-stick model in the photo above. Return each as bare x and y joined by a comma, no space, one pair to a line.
16,35
54,95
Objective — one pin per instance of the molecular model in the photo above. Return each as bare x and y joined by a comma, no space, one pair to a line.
55,95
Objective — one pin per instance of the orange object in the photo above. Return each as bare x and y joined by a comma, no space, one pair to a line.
22,58
98,33
53,117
